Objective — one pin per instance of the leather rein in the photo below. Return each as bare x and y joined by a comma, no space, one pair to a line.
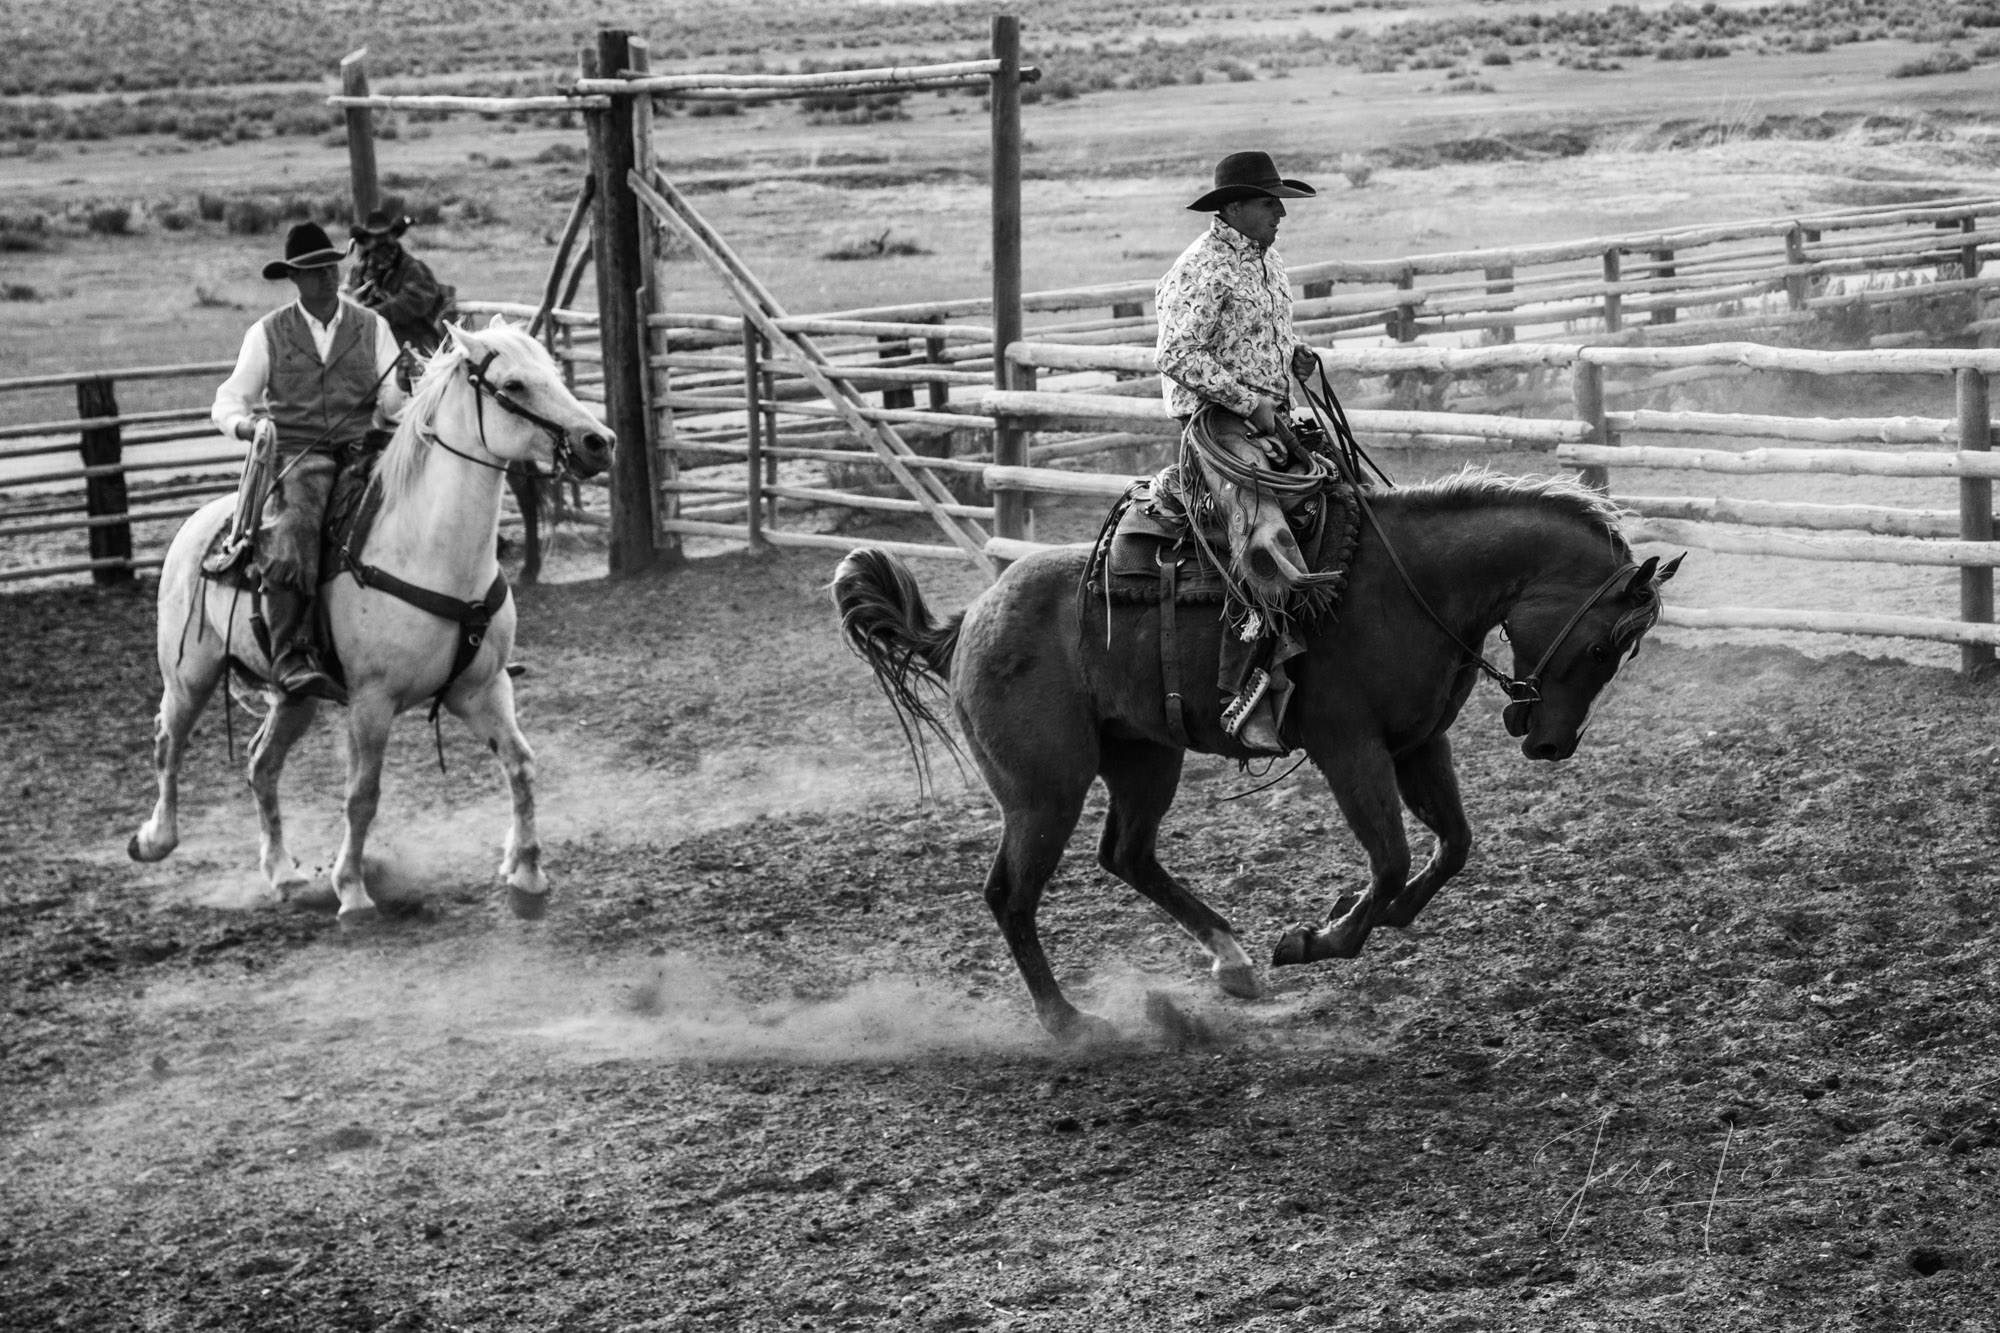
1523,692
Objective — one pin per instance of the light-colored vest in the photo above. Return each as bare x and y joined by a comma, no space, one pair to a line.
322,407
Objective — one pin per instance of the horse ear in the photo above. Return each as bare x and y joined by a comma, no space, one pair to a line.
1667,570
461,341
1640,585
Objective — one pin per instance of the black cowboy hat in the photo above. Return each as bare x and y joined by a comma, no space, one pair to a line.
379,223
1246,175
306,246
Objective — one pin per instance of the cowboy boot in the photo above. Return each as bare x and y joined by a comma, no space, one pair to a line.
293,670
1251,718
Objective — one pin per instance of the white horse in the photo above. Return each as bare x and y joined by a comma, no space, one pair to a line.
403,614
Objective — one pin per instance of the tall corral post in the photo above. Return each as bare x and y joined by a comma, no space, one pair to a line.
655,382
615,241
1010,442
1975,517
1587,392
360,134
104,495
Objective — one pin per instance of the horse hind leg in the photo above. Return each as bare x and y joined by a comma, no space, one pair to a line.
188,685
490,715
283,725
368,718
1031,846
1142,778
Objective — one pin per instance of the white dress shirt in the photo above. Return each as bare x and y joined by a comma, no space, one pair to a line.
241,397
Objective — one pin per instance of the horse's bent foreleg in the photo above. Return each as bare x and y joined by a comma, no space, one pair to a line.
283,725
1430,789
368,719
1142,777
181,701
1364,785
490,715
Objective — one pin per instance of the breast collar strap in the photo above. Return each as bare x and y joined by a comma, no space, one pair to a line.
473,619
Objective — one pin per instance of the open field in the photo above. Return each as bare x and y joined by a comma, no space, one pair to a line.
1704,1037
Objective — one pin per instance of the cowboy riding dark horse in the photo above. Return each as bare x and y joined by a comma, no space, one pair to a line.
1227,354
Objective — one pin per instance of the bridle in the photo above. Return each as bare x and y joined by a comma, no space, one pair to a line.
483,389
1523,692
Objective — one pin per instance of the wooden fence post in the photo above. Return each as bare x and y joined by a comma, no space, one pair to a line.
360,135
104,497
1010,442
939,391
1500,282
1406,315
1975,517
896,395
1663,267
753,418
1614,302
655,383
1587,392
1795,257
1968,255
616,241
1313,291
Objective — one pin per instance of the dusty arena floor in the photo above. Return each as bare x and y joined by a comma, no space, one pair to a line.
1705,1037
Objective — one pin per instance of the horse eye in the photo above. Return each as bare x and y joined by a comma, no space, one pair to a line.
1599,654
515,385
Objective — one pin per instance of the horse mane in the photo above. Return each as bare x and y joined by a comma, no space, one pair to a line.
403,458
1478,487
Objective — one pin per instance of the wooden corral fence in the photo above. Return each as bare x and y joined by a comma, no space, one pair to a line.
1591,439
754,424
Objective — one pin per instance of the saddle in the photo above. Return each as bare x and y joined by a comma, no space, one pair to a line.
225,565
1147,550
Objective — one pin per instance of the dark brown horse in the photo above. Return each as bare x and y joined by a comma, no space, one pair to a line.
1048,700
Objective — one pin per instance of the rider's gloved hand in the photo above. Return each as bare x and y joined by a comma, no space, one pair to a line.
1304,362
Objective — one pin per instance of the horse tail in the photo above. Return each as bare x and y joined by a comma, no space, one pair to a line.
888,626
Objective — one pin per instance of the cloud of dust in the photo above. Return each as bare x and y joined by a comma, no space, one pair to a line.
682,1007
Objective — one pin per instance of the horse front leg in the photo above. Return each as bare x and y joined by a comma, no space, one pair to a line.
283,725
368,719
489,712
1429,784
1142,777
1364,785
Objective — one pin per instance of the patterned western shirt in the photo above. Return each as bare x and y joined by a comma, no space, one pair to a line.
1225,324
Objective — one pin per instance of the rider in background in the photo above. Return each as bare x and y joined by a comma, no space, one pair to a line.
1226,346
321,370
398,286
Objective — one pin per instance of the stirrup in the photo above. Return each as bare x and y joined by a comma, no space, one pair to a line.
1237,710
226,559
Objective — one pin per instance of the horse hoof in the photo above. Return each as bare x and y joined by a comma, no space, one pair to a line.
527,906
1241,981
138,851
1083,1031
359,920
1292,947
132,849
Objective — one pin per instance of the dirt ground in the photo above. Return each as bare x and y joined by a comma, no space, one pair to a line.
1703,1038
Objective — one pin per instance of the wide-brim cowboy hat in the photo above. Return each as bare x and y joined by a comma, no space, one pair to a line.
379,223
306,246
1245,176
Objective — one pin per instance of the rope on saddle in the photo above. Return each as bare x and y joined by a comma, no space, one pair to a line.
1308,490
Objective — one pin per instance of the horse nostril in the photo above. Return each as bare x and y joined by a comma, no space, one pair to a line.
600,444
1262,565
